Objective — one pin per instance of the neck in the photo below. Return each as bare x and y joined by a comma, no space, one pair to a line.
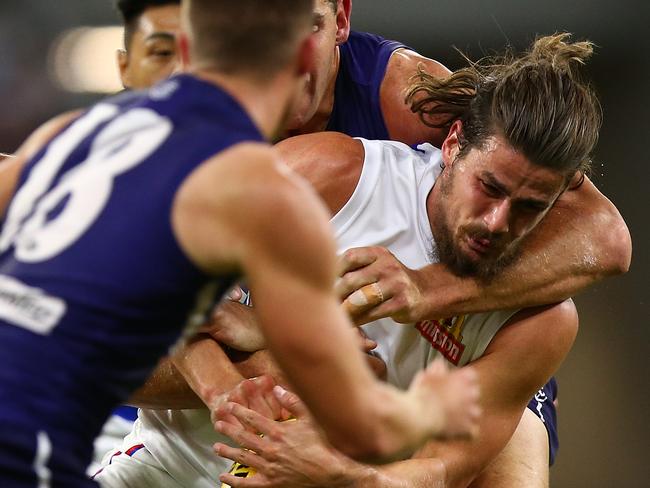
265,105
321,117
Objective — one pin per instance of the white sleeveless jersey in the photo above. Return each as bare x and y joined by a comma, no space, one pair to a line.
388,208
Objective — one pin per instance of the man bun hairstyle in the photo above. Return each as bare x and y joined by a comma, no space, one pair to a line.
254,36
537,101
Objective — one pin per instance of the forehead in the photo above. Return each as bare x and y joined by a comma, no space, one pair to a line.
165,18
504,166
324,7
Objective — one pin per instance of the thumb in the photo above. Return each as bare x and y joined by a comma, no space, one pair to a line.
438,367
290,402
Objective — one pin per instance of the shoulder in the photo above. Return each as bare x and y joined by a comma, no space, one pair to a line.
402,124
330,161
238,200
405,62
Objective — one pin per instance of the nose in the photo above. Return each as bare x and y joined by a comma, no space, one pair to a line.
497,220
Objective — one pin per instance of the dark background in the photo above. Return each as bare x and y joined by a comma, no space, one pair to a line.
604,404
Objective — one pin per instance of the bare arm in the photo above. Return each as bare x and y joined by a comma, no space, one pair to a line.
165,389
203,364
581,241
519,359
281,239
403,125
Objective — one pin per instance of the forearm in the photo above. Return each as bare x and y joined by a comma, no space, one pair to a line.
581,241
166,389
194,377
258,363
207,369
412,473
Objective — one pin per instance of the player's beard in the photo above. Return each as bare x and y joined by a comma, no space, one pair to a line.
446,249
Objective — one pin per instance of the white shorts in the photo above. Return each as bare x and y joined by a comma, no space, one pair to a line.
134,468
115,430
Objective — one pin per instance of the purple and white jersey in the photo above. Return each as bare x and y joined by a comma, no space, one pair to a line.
94,287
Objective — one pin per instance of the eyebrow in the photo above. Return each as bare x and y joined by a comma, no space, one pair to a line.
165,36
502,188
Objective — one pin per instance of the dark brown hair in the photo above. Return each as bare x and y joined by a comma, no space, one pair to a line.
131,10
538,101
254,36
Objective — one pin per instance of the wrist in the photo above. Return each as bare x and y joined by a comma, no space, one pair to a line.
443,294
371,477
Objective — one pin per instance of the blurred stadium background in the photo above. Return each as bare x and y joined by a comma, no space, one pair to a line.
604,384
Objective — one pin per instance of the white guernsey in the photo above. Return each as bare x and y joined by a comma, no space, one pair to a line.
388,208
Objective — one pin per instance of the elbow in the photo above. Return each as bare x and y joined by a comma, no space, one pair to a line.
619,249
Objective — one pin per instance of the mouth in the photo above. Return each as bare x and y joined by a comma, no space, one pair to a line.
479,245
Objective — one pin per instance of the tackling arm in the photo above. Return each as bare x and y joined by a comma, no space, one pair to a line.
519,359
581,241
282,241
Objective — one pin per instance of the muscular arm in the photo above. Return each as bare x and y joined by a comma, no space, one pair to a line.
165,389
211,374
403,125
519,359
581,241
281,239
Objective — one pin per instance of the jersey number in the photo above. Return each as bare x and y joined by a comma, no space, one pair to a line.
41,224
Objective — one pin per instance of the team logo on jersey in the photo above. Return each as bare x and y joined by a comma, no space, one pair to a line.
445,335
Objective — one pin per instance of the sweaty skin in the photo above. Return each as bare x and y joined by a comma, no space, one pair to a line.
594,242
518,360
281,240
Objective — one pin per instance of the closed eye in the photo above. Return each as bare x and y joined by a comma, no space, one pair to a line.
490,190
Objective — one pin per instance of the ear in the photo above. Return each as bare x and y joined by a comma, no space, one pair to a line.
183,51
306,55
123,65
451,144
343,12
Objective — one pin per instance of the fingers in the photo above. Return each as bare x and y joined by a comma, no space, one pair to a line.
356,258
438,367
455,396
235,294
388,308
256,394
256,481
259,393
241,436
366,344
240,455
291,402
366,297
